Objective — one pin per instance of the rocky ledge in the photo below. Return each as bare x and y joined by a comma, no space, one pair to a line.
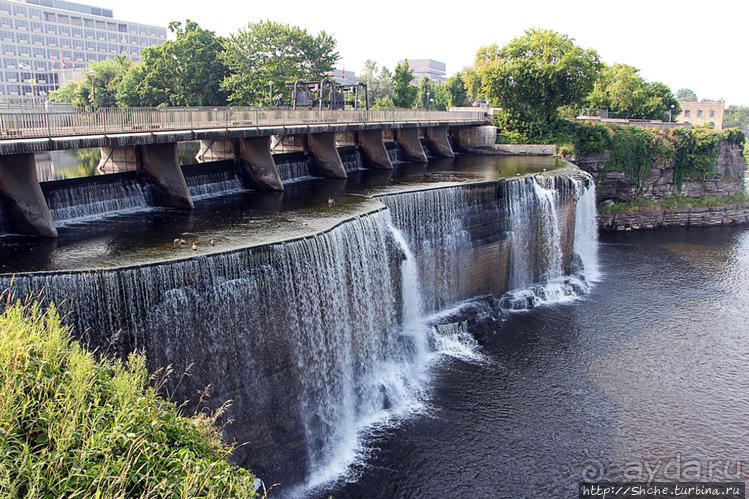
679,217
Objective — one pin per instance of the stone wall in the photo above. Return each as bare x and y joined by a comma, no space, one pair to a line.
681,217
659,183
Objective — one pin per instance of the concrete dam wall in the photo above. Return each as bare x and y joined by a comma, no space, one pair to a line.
315,338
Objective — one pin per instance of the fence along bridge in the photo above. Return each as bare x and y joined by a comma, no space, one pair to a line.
150,136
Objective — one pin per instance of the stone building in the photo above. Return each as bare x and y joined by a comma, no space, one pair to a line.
43,40
702,112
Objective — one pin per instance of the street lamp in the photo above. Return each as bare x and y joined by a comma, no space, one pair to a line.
270,93
671,113
91,73
431,103
428,100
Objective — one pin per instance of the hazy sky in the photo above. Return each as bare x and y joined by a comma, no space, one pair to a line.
701,45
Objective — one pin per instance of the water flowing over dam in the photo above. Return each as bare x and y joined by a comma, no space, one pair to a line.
315,338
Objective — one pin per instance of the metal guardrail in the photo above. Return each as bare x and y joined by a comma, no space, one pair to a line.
132,120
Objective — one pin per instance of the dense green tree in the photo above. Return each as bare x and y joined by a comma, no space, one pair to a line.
456,91
537,73
622,91
685,94
270,51
404,93
736,116
107,76
426,93
186,71
379,81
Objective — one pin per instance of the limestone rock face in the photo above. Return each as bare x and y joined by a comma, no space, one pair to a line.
659,182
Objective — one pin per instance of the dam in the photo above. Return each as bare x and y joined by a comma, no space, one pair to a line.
319,311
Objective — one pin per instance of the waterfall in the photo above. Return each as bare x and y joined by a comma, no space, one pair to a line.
293,167
319,338
208,184
351,158
547,232
69,201
586,230
395,153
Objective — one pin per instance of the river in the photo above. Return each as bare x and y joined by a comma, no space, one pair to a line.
646,374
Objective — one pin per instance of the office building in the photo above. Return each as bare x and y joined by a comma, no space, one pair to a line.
429,68
703,112
43,40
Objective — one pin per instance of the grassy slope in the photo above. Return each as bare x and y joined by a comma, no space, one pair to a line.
73,426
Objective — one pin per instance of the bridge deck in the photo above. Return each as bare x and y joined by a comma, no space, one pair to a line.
38,131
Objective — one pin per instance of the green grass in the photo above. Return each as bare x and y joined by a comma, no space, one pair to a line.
75,426
673,202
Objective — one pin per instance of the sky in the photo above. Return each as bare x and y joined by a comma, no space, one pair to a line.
685,44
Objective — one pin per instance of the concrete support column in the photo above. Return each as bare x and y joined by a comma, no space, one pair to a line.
475,137
117,159
440,142
325,155
216,150
374,149
258,165
161,164
408,138
19,186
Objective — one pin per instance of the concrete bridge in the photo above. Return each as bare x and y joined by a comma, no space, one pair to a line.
147,139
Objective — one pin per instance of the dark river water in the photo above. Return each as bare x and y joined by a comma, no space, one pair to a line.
646,376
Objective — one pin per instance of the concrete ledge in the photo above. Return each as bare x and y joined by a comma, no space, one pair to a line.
525,149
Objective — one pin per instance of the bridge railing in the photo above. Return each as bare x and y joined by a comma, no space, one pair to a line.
132,120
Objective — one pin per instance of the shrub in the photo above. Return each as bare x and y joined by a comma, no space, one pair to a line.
72,425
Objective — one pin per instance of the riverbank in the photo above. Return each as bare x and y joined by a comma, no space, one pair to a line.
651,218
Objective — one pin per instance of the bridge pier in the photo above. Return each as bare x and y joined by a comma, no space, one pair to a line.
325,155
440,142
408,138
258,164
161,165
117,159
475,137
216,150
19,186
374,150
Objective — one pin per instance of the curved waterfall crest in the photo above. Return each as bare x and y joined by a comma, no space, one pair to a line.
317,338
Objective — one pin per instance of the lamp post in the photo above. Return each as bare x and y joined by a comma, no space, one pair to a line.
428,99
91,73
270,93
431,103
671,113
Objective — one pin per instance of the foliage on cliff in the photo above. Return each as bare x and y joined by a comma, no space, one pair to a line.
74,426
673,202
635,150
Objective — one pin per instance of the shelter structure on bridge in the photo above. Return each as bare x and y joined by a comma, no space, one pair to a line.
312,94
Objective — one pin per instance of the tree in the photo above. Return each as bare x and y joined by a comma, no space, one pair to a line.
404,93
456,91
379,81
621,90
107,76
536,73
685,94
270,51
187,71
426,93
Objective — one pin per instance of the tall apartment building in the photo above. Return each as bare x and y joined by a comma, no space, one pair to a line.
42,40
702,112
429,68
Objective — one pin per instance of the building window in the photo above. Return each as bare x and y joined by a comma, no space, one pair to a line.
687,113
88,23
712,124
699,113
712,113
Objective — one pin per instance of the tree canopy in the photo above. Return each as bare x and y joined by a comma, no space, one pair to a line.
404,93
269,51
621,90
536,73
184,72
685,94
379,81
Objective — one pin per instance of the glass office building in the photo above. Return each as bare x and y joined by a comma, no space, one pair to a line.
42,41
